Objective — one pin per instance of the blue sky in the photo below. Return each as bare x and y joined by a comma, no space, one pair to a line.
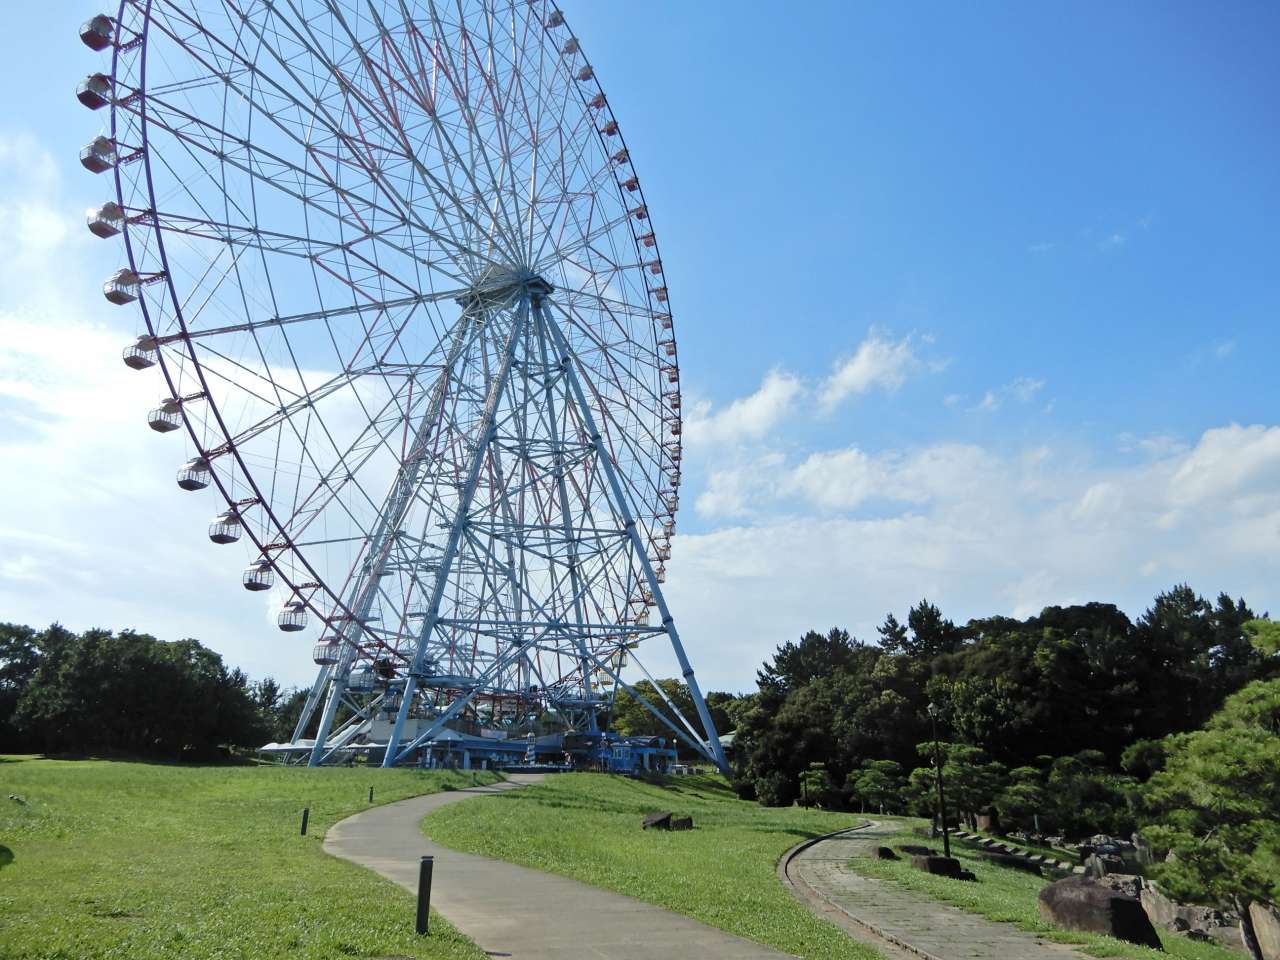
975,301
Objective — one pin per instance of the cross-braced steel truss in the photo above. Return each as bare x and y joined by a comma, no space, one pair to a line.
398,273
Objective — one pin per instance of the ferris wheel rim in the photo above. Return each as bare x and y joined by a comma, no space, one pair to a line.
247,474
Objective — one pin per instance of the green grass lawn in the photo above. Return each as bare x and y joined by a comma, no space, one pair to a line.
1001,893
141,861
587,826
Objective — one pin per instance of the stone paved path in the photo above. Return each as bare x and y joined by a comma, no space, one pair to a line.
924,926
513,911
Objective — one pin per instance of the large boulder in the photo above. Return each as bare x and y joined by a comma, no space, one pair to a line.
657,821
1081,903
883,853
916,849
1266,926
1169,914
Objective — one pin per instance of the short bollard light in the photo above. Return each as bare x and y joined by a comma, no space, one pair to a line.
371,794
306,812
424,893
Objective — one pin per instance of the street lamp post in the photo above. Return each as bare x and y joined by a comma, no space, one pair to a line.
937,766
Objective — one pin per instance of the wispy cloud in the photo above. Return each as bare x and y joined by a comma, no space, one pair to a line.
1020,389
879,363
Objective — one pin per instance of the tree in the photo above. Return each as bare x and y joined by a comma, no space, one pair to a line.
19,657
1084,797
931,633
1022,799
893,635
878,784
1215,805
817,788
131,693
971,780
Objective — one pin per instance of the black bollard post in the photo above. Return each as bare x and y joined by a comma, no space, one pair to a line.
424,893
306,812
371,794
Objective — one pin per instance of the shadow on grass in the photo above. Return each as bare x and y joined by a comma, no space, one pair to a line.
6,856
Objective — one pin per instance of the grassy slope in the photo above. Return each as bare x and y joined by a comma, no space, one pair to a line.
587,826
1010,895
148,861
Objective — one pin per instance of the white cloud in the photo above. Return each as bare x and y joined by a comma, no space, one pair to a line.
1021,389
977,532
94,531
878,363
747,418
1224,348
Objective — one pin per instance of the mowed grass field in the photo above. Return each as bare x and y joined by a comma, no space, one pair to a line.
129,860
1001,893
723,872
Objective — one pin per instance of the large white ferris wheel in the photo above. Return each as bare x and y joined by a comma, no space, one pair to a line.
395,267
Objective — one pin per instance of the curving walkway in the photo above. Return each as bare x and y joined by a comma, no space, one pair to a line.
512,911
818,873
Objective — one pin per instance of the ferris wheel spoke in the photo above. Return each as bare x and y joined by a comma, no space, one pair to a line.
317,117
374,116
267,167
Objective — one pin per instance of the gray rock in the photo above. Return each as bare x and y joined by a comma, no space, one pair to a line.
681,823
883,853
657,821
1266,925
1081,903
918,850
940,866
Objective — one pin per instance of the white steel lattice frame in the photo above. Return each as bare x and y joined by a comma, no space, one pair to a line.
398,272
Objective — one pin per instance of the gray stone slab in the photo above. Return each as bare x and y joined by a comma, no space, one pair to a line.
512,911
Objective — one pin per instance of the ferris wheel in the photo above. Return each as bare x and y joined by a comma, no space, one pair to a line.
394,265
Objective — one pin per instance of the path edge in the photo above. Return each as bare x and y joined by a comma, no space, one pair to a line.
813,898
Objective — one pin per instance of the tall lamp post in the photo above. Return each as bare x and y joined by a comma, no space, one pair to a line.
937,766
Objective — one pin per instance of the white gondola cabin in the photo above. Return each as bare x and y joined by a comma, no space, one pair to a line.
556,19
585,74
99,154
325,654
122,287
105,221
570,47
164,419
225,527
140,354
194,474
293,616
362,680
94,91
258,575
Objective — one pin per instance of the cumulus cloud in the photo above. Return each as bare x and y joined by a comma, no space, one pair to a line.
747,418
879,363
979,532
94,531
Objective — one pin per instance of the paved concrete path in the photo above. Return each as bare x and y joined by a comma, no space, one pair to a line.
513,911
908,920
